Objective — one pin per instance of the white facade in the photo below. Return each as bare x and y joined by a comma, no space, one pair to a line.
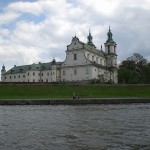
83,62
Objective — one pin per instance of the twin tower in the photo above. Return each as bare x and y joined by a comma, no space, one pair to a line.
110,49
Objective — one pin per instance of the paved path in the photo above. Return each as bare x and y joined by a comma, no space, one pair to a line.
71,101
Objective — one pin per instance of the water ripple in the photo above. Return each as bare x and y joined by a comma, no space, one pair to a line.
104,127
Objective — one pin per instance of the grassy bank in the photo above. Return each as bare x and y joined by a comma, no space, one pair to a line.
66,91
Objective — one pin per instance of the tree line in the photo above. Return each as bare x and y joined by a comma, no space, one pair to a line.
135,69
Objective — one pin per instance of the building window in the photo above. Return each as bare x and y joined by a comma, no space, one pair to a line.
101,61
92,58
108,49
48,74
53,73
28,74
46,80
10,77
5,77
63,72
75,56
23,76
88,56
33,73
75,72
33,80
87,70
42,74
39,74
18,76
14,77
104,63
96,59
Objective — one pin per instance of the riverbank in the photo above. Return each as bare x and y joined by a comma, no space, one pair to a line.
47,91
69,101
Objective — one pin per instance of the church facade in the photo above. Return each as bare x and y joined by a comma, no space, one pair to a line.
83,62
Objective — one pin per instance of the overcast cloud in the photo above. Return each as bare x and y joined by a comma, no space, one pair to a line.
33,31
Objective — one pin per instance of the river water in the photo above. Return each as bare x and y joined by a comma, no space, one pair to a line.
89,127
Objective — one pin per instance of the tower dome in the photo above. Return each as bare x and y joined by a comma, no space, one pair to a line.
90,38
109,34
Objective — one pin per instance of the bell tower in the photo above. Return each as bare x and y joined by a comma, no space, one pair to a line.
111,57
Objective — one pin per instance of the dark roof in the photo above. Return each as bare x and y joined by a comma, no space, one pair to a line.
36,67
94,50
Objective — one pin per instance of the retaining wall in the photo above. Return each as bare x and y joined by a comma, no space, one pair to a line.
73,101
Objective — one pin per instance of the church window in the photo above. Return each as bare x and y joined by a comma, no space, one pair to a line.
108,49
104,63
75,56
75,72
97,60
92,58
87,70
88,56
101,61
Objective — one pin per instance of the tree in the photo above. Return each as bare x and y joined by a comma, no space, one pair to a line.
123,75
145,77
134,70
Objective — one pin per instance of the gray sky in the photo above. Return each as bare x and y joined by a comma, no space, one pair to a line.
39,30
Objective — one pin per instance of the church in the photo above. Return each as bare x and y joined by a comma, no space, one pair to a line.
83,62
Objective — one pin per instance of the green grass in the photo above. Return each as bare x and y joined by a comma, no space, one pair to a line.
66,91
